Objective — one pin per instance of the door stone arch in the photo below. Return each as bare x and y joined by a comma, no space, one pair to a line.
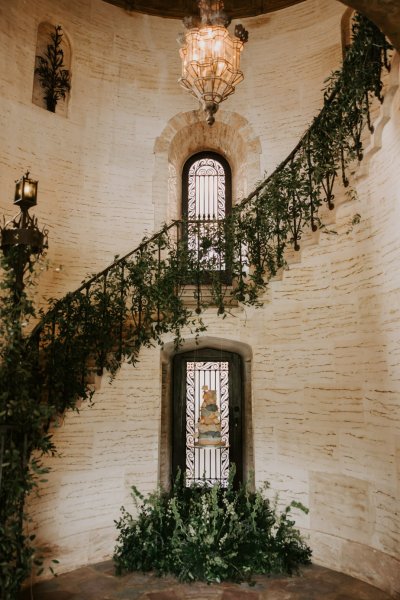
220,346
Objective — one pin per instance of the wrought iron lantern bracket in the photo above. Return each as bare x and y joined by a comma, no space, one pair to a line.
22,232
23,229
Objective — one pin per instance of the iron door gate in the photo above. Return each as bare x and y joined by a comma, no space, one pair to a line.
207,416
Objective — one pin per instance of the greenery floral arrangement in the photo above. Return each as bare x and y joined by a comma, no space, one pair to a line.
209,534
138,299
23,422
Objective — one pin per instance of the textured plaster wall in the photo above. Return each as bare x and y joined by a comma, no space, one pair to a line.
325,347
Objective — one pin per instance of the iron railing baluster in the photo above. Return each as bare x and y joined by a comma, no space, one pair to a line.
314,226
122,311
50,384
295,210
158,280
241,278
85,328
198,282
103,356
258,227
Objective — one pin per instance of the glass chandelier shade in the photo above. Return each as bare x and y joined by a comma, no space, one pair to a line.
211,57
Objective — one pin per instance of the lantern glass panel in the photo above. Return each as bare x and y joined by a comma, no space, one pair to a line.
25,192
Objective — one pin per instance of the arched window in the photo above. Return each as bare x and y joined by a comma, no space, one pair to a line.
206,201
206,187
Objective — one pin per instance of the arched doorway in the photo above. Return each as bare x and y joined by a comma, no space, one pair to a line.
207,416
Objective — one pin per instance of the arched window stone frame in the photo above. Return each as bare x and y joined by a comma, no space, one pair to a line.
186,134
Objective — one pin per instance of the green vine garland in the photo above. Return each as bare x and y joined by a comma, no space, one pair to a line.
138,299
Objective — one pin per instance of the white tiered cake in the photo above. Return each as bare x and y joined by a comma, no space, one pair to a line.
209,424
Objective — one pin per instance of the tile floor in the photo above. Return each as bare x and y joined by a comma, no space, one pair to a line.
98,582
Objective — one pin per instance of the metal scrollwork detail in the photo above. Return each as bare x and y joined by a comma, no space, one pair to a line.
207,465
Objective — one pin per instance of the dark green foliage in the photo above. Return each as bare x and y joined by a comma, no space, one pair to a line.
209,534
54,79
22,420
110,318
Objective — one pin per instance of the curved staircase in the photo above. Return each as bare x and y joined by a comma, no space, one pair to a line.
162,286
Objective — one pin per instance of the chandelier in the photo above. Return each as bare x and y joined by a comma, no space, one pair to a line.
211,56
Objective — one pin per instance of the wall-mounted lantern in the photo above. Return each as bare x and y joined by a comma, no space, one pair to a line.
22,232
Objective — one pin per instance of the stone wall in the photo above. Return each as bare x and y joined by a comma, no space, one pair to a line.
327,400
324,365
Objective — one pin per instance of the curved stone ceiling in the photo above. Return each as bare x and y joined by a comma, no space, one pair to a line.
385,13
180,8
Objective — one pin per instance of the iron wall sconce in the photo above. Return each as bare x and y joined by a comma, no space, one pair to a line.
23,230
21,237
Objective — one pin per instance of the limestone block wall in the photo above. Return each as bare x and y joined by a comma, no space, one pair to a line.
104,450
325,371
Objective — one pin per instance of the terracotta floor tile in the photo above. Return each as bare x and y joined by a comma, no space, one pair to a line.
164,595
98,582
240,595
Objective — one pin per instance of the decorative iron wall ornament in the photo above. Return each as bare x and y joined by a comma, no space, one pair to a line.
207,422
53,77
206,190
211,56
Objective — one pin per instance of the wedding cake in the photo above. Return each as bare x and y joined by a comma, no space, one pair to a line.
209,424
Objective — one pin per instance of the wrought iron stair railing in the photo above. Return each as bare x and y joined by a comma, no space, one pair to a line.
138,298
